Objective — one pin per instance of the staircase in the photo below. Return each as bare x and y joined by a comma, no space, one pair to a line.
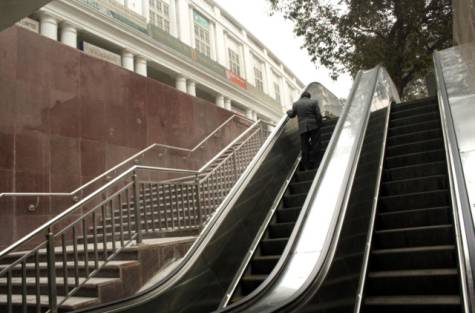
413,261
277,234
110,244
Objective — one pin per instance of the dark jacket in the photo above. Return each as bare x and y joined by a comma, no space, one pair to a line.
308,113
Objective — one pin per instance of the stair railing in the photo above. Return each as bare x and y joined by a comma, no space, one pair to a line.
141,157
79,242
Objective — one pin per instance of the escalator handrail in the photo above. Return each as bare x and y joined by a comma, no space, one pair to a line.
267,294
463,218
205,235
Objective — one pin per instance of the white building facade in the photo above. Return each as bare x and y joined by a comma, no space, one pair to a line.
193,45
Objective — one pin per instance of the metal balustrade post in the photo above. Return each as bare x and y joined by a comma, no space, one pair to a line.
52,299
138,221
198,200
235,166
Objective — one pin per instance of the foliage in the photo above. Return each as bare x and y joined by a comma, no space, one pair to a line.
349,35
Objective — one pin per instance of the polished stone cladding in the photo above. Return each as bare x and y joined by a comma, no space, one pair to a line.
66,117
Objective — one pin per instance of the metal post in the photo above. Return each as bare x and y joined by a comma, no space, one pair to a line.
51,272
138,221
198,200
235,166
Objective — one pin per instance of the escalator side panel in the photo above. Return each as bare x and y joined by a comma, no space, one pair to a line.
204,284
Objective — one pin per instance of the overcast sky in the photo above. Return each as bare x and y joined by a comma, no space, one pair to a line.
276,33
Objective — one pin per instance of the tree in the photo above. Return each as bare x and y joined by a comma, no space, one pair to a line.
349,35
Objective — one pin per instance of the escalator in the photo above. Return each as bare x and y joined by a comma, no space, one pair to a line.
413,263
276,235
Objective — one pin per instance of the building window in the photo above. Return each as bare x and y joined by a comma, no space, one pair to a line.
160,15
277,92
234,62
202,40
258,75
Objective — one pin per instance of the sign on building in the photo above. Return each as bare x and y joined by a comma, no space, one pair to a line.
101,53
29,24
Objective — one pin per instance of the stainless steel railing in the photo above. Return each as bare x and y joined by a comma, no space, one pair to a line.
99,226
138,158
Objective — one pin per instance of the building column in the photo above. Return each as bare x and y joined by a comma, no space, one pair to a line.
181,83
220,44
69,35
191,88
269,77
141,66
254,116
173,19
127,60
220,101
48,26
183,10
247,58
250,114
227,104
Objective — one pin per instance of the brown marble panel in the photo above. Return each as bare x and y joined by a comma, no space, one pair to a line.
6,156
32,154
6,184
8,54
116,125
93,158
65,113
65,156
31,107
7,107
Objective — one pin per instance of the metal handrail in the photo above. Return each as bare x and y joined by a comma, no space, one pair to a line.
107,202
116,167
458,190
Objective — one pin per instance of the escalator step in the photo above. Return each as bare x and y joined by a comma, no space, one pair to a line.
413,237
413,171
264,264
414,128
250,282
426,257
273,247
420,184
413,304
414,119
294,200
417,136
300,187
414,110
288,215
281,230
304,176
415,158
409,105
414,218
414,147
414,282
418,200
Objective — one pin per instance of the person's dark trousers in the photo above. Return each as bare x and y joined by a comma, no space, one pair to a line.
310,149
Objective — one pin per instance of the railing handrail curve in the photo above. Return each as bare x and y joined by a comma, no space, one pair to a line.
130,159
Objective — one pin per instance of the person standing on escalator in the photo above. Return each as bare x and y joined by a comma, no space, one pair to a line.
310,122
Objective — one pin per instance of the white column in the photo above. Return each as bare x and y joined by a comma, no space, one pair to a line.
220,44
146,9
254,116
127,60
269,78
184,21
141,66
181,83
69,35
249,114
247,58
48,26
173,19
220,101
227,104
191,88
